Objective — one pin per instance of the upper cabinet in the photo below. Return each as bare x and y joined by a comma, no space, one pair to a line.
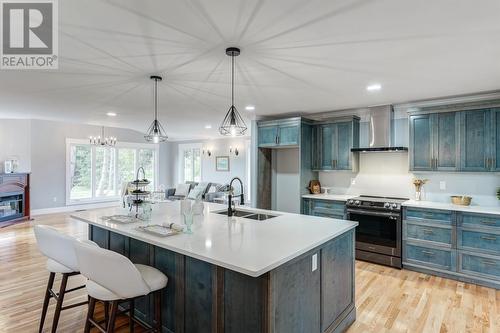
434,142
474,141
279,133
455,141
332,144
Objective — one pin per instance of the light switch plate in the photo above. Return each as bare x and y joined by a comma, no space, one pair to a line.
314,262
442,185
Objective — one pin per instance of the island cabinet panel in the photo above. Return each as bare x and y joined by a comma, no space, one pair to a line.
248,293
199,293
337,278
142,253
296,296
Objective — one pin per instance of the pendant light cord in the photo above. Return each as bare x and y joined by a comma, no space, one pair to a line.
232,79
156,99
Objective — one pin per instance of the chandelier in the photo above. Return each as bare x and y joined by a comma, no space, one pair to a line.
102,140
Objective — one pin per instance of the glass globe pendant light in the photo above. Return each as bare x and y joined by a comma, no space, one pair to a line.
233,124
155,132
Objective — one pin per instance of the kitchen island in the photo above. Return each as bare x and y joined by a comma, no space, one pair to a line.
289,273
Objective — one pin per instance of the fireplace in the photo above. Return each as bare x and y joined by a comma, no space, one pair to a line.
11,207
14,197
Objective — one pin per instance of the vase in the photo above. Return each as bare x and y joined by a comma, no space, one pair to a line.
418,195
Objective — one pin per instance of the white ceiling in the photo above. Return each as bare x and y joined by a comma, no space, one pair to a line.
297,56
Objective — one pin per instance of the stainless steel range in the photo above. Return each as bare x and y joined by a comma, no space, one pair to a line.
378,235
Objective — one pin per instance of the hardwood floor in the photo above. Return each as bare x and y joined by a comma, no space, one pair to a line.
387,300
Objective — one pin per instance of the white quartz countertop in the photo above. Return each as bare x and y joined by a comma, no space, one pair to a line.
333,197
450,206
243,245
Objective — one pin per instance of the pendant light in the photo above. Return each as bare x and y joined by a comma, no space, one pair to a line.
155,132
233,124
102,140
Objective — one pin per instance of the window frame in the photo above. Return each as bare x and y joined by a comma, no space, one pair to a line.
180,154
127,145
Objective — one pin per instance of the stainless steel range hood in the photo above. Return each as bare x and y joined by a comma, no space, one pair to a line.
381,131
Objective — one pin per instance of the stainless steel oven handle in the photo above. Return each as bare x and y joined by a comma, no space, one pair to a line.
373,213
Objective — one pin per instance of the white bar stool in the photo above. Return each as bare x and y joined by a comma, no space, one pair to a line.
113,277
61,259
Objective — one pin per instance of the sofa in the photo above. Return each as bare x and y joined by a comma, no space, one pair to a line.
192,190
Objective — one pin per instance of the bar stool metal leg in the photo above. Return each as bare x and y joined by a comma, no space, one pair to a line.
46,300
158,311
131,316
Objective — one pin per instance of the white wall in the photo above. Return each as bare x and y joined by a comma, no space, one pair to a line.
387,174
219,147
15,140
41,148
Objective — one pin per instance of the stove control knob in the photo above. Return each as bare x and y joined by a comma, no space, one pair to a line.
351,202
387,205
394,205
357,202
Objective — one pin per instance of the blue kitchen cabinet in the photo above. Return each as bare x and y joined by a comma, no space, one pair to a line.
495,140
475,142
333,143
324,208
268,134
420,150
279,133
458,245
434,142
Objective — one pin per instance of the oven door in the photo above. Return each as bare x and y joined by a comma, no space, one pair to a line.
378,232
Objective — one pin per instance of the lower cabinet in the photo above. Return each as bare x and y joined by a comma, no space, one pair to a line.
324,208
463,246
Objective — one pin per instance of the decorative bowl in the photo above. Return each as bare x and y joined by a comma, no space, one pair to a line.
462,200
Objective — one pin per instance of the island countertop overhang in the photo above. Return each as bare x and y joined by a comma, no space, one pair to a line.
239,244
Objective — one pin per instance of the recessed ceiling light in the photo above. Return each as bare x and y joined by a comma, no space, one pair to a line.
250,108
208,126
374,87
111,114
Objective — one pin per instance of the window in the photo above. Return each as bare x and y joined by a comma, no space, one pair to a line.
190,162
96,173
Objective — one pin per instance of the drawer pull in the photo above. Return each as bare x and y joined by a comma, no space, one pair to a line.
488,262
428,215
428,231
486,222
489,238
428,253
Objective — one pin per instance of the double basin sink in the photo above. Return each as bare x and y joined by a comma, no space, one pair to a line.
247,215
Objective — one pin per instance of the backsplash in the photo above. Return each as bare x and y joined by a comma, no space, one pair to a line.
387,174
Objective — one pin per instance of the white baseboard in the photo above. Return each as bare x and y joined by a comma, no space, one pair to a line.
74,208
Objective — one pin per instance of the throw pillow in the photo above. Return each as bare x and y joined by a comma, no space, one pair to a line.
196,192
182,190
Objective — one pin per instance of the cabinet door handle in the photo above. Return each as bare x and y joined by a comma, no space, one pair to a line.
489,238
486,222
428,253
276,139
333,164
428,215
428,231
486,163
488,262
